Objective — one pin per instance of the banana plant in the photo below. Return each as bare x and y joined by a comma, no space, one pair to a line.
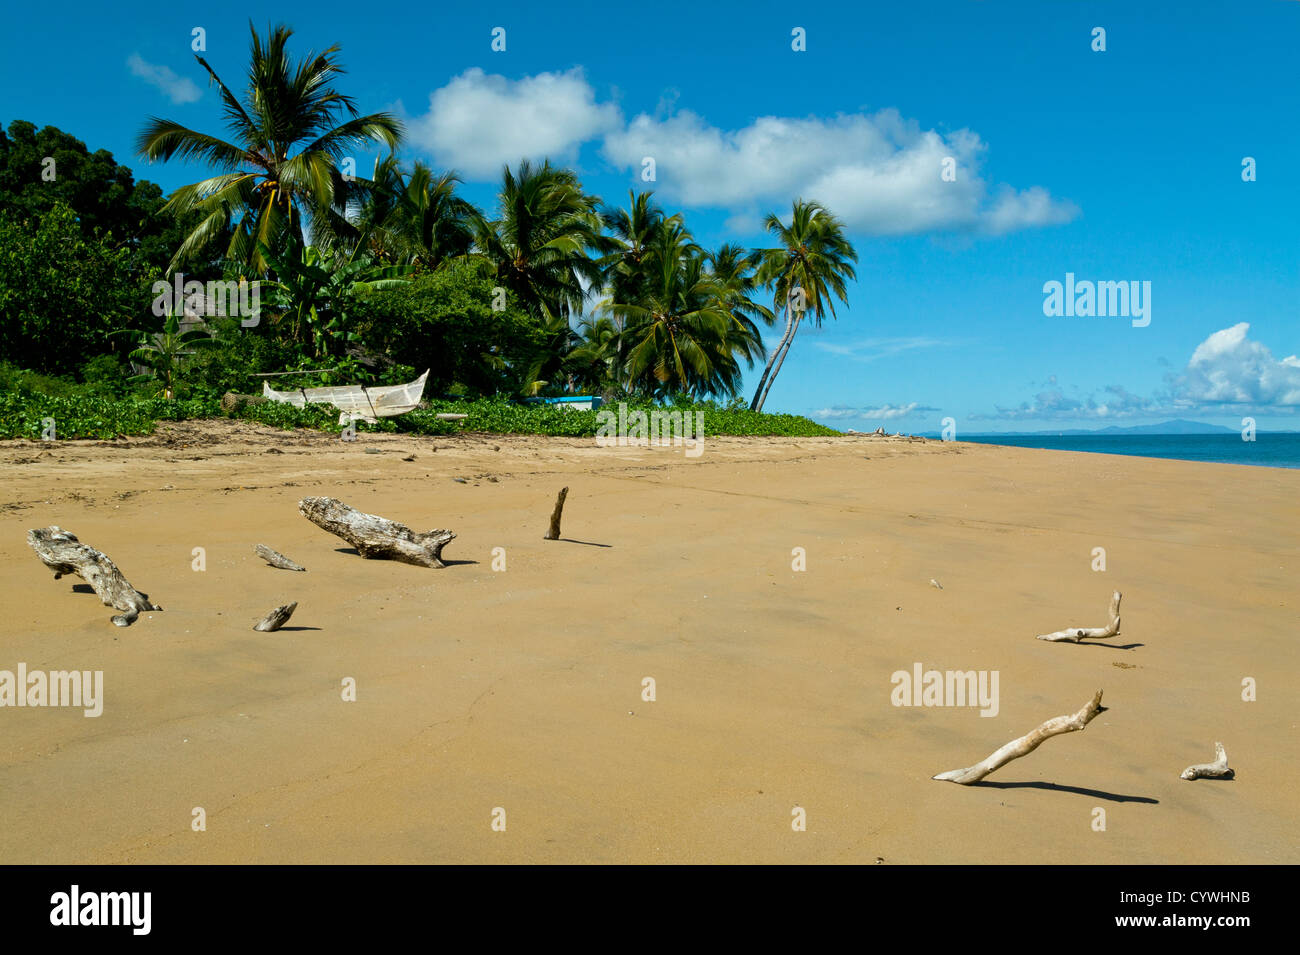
164,352
316,290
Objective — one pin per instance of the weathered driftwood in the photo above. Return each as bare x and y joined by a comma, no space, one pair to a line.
1075,634
1215,770
276,559
376,537
277,618
554,533
1025,744
60,551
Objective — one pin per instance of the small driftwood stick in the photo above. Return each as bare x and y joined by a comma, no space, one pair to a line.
1075,634
277,618
1025,744
1215,770
376,537
276,559
554,533
60,551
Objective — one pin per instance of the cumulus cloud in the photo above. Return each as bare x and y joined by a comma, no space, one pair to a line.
480,122
178,89
1228,373
880,173
1230,368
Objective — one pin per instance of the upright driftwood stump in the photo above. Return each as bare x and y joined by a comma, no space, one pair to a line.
554,533
1025,744
60,551
376,537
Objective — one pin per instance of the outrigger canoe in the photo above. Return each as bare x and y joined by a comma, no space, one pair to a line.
356,402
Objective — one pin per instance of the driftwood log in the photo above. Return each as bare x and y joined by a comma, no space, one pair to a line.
554,533
1215,770
277,618
1025,744
60,551
276,559
376,537
1075,634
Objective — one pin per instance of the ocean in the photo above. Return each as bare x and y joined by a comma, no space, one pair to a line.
1267,450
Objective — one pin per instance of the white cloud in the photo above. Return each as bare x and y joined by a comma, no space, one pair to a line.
883,413
480,122
1229,368
178,89
869,349
880,173
1228,373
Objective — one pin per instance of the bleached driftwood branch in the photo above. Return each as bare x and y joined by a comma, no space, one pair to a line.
1075,634
277,618
1025,744
554,533
376,537
276,559
60,551
1215,770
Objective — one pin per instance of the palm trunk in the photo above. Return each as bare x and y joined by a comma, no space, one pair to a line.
757,404
785,351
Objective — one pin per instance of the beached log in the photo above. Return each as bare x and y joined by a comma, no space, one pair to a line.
60,551
376,537
554,533
276,559
1025,744
1215,770
1075,634
277,618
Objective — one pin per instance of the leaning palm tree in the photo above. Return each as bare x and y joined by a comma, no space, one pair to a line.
281,161
542,242
813,262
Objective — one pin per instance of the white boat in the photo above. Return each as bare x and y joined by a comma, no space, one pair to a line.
356,402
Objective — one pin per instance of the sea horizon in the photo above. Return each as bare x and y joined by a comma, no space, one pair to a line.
1269,449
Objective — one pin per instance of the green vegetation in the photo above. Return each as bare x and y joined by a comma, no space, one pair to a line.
551,293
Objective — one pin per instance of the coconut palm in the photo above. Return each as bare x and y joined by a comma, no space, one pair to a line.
280,163
414,219
543,239
634,230
735,271
678,334
813,262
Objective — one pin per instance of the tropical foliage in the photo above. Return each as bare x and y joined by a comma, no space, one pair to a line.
548,292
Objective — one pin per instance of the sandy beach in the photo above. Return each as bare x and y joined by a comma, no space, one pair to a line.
521,688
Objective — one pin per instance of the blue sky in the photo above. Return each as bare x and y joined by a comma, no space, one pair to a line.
1122,165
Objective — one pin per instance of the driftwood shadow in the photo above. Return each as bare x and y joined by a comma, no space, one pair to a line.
1111,646
283,629
1078,790
353,552
570,540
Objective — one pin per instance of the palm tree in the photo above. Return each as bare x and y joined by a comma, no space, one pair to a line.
734,269
287,137
813,262
634,230
415,219
541,244
679,332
